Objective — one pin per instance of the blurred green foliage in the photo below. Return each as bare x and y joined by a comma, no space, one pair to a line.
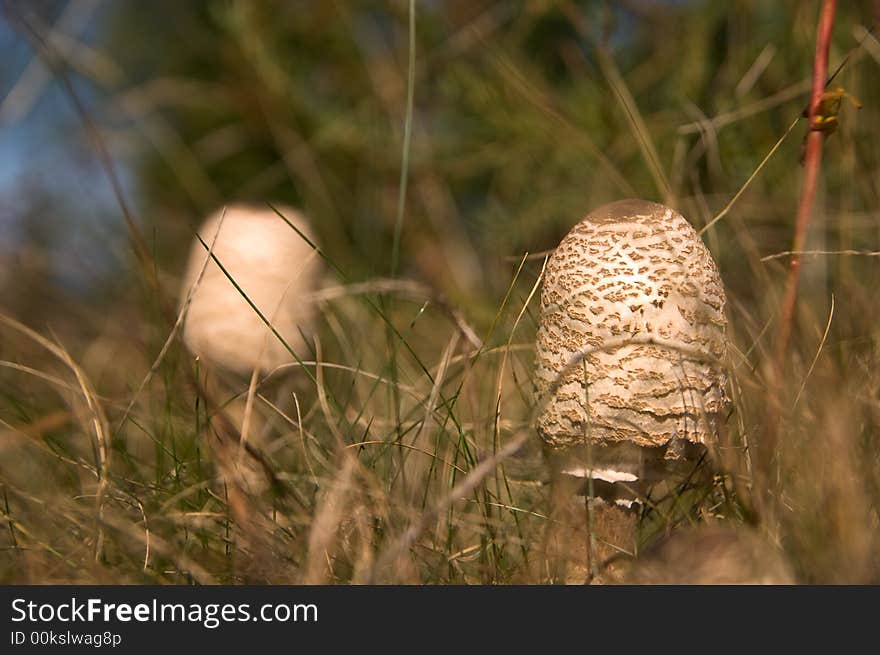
517,133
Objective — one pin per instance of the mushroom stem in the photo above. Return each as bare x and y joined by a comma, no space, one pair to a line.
613,531
586,534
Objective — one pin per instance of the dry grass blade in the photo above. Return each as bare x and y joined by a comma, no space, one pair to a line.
752,109
406,288
328,517
162,547
98,419
504,358
35,78
181,316
637,123
816,253
476,476
816,357
539,100
751,178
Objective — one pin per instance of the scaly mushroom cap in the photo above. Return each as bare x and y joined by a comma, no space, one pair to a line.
277,270
633,286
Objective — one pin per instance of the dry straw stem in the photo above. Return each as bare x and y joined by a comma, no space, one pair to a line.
407,139
759,106
816,357
637,123
161,546
627,102
504,358
816,253
752,177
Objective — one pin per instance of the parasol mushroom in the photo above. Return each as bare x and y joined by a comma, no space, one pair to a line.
629,360
278,271
274,267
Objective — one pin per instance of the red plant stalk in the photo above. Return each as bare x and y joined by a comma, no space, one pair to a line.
812,161
767,459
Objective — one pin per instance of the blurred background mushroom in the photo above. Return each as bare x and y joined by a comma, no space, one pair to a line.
630,351
273,266
247,297
267,261
714,554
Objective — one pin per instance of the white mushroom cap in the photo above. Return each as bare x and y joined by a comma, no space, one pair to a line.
277,270
633,288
